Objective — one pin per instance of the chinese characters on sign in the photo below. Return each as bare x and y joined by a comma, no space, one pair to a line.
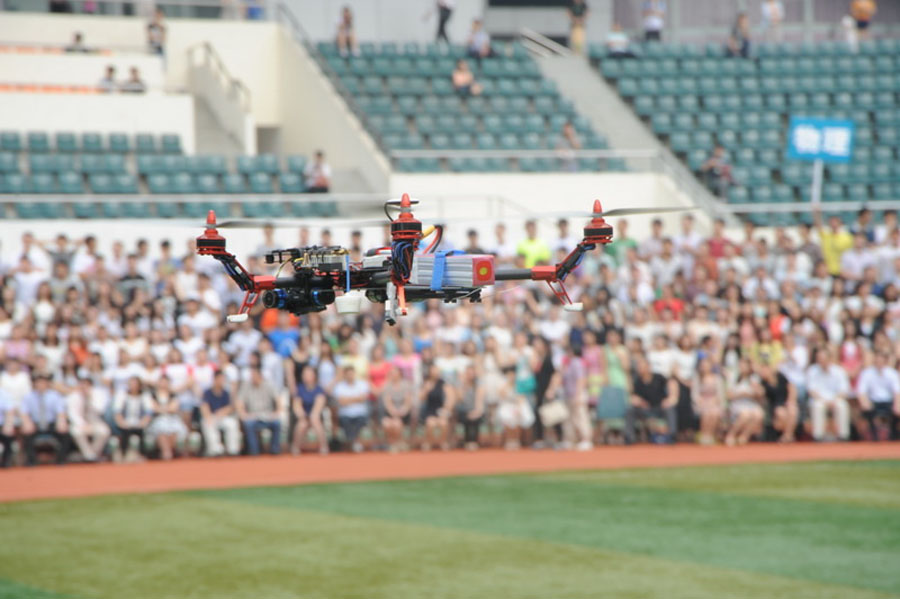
820,139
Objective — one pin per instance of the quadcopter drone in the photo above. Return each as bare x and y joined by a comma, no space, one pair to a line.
396,275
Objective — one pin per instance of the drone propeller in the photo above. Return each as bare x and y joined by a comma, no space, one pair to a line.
614,212
249,223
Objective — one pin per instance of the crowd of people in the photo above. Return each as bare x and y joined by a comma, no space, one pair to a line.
683,337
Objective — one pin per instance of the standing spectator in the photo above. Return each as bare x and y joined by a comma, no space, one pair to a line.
352,396
469,408
708,396
772,17
878,392
578,12
651,397
318,174
397,405
744,393
86,408
574,382
309,405
835,240
134,84
108,83
445,11
862,12
218,416
346,35
133,409
259,407
781,398
167,428
618,43
43,414
654,14
156,33
828,388
514,411
7,428
479,44
717,171
739,41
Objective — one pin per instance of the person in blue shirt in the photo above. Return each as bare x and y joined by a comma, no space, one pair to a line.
7,428
352,397
44,416
219,415
308,404
285,338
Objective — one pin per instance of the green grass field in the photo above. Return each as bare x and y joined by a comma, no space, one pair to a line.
812,530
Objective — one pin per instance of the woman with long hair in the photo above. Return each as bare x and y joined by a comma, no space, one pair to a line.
708,398
744,393
310,401
469,408
437,401
167,428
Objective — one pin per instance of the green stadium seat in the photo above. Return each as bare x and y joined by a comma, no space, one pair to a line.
485,141
38,141
883,191
43,183
728,139
738,195
183,183
10,141
171,143
661,123
761,194
71,182
291,183
645,106
683,122
207,183
125,183
159,183
833,192
687,103
680,142
135,209
144,143
102,183
118,142
234,183
91,142
782,193
696,159
85,210
66,143
261,183
296,163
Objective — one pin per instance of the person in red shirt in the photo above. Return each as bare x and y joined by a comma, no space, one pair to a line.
718,241
668,301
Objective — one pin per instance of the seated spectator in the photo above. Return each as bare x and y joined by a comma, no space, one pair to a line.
259,407
781,398
469,408
346,36
7,428
514,411
464,81
746,415
352,397
134,84
86,409
479,44
618,43
652,397
878,392
43,416
156,33
218,416
317,174
738,44
708,397
77,45
437,398
108,84
133,409
167,429
717,171
828,388
397,406
309,405
862,12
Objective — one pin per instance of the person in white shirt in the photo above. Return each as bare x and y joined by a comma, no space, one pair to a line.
352,397
772,17
15,382
503,249
86,408
828,388
654,13
878,392
855,260
318,174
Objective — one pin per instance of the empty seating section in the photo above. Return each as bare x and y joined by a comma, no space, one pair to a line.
405,97
693,97
117,164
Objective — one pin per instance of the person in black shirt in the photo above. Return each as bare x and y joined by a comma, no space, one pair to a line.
781,398
652,396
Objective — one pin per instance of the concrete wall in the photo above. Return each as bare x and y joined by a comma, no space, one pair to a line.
78,69
313,116
124,113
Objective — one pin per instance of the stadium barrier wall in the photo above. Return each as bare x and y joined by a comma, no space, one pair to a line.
125,113
78,69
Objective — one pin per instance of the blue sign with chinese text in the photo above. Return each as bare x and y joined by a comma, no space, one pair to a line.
828,140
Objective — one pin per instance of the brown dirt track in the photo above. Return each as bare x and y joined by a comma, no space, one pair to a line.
48,482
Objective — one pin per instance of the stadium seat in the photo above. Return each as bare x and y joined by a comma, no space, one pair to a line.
38,141
291,183
118,142
261,183
171,144
144,143
234,183
10,141
91,142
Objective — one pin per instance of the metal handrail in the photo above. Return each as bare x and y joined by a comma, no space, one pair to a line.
235,86
542,44
548,153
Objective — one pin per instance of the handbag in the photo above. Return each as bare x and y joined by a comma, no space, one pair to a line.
553,413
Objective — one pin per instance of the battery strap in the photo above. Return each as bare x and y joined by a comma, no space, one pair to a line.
437,273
